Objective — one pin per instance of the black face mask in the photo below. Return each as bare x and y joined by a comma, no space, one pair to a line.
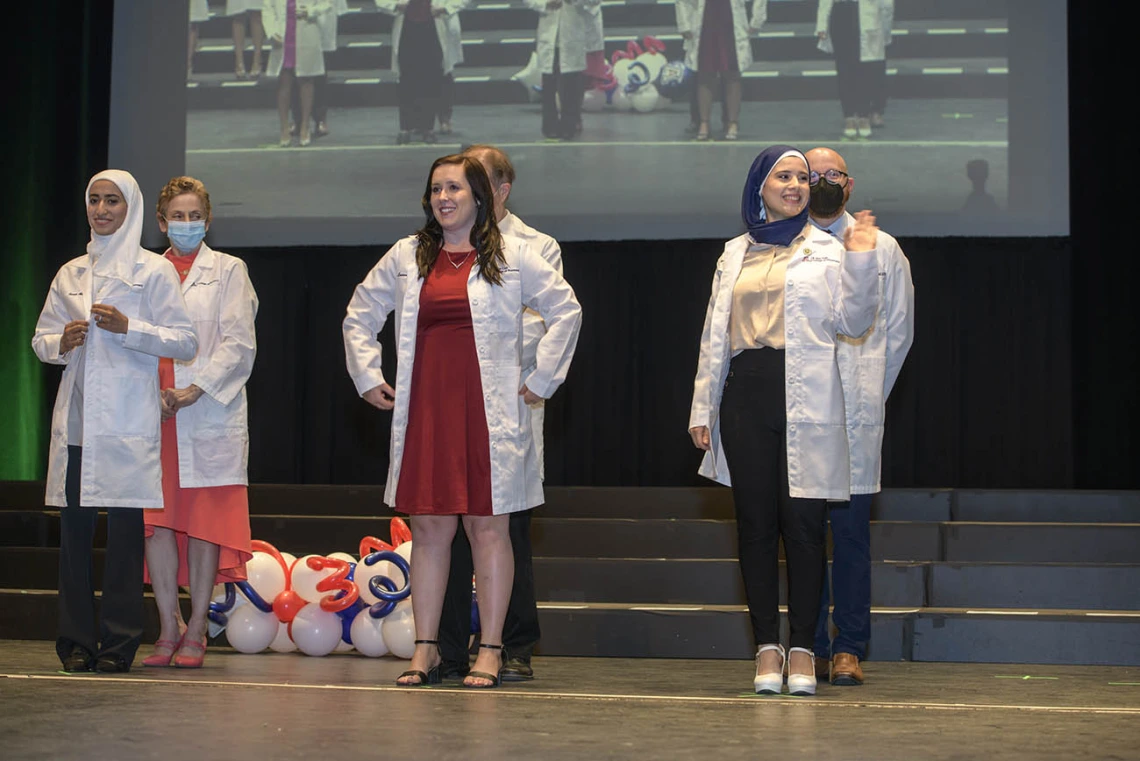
826,198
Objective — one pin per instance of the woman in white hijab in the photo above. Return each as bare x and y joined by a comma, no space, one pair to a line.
109,315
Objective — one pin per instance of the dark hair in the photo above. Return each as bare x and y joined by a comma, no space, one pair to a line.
485,237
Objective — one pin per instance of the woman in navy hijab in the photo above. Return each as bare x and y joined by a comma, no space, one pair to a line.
767,403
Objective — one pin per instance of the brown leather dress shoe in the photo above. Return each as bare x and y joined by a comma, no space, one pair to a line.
846,671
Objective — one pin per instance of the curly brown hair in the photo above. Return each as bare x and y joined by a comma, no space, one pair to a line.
180,185
485,237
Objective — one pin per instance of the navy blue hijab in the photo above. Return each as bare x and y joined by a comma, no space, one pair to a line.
779,233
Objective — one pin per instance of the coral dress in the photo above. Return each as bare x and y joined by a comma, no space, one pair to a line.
216,514
446,467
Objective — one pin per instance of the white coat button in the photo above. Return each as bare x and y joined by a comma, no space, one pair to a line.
791,282
475,302
792,427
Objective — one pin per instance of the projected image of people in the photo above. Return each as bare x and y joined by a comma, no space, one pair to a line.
607,114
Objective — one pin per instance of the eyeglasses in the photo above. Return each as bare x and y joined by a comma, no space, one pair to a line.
834,176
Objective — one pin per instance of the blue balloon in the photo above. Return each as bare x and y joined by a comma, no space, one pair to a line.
218,610
675,80
384,591
347,616
252,595
384,607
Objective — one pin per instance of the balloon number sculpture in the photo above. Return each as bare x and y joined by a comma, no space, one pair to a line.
319,604
639,78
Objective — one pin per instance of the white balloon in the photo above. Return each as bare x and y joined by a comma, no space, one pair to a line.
305,580
654,63
399,630
593,101
367,635
620,100
281,643
342,646
343,556
316,631
405,551
645,99
265,575
289,559
250,630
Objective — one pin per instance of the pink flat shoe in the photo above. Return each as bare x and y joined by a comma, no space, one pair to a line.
158,659
190,662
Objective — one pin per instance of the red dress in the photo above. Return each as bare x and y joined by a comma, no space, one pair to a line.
446,466
717,49
215,514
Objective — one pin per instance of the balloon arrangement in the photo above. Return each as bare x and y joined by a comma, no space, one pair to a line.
320,604
639,78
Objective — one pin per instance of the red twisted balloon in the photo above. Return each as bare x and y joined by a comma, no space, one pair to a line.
337,582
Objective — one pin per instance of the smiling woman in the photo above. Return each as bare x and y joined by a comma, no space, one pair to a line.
767,402
462,446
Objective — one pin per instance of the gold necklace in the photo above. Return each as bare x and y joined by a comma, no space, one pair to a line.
461,261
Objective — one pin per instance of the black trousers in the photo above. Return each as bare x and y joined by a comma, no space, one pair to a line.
421,76
121,615
520,629
753,424
320,109
569,88
862,84
446,98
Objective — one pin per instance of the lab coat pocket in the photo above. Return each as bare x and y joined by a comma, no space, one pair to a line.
126,297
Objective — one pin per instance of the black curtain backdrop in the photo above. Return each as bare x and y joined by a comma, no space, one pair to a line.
985,398
1023,372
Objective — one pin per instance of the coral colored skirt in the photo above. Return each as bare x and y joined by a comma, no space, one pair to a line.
215,514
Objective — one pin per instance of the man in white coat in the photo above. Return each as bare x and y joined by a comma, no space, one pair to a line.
108,317
565,31
857,33
520,630
868,368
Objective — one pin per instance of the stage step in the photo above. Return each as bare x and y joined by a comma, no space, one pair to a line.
710,503
655,630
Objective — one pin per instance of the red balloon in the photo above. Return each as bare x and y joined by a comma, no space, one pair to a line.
370,544
399,531
287,604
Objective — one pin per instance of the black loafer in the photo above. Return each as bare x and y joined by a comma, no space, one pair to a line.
78,661
111,664
517,670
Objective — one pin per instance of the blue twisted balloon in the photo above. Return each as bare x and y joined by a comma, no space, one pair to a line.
382,586
218,610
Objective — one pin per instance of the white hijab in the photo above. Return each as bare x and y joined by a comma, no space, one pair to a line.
115,255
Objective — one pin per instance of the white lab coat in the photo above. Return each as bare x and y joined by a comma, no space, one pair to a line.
121,415
213,433
875,20
393,285
237,7
329,22
870,365
533,326
827,290
572,30
690,16
446,29
310,36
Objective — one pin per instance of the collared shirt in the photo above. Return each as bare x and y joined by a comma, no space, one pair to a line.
757,317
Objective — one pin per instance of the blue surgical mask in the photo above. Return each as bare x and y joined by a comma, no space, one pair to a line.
186,236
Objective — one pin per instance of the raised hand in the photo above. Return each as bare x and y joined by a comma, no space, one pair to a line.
862,235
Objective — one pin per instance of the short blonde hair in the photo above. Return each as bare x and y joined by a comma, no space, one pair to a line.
179,186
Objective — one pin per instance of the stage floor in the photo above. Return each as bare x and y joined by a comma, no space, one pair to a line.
347,707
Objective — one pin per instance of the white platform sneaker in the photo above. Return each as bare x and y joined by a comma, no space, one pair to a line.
771,683
802,684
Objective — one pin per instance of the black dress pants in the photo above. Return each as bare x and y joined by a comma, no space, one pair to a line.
520,629
421,76
568,86
753,425
862,84
121,614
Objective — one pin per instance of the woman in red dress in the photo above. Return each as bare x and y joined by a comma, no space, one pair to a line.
201,536
461,436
